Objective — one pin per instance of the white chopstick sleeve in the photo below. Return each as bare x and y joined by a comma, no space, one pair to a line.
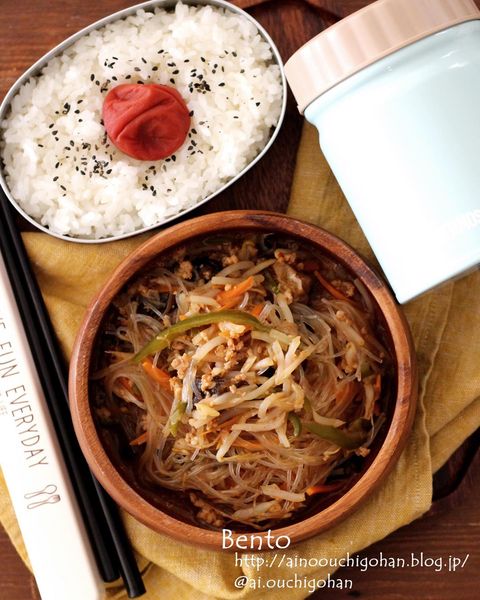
35,472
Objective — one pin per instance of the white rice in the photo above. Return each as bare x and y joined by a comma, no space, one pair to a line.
64,172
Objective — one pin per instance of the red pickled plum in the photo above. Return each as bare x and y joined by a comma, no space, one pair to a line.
147,122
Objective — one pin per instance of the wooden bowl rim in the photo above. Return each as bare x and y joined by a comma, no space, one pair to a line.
383,462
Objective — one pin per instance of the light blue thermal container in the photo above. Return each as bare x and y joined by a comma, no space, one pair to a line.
394,91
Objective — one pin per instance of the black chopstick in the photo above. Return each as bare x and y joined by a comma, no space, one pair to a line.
108,539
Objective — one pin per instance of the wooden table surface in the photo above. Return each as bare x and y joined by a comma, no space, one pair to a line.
452,528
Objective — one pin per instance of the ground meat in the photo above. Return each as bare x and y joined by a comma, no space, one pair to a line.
346,287
293,285
184,270
230,260
286,256
180,364
207,513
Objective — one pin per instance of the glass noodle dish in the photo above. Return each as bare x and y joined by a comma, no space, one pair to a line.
247,371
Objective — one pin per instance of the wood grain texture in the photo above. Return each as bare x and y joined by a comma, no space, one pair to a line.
29,29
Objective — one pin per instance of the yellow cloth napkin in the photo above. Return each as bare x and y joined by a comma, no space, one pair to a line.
446,328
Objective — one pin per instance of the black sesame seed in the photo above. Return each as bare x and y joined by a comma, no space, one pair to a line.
221,84
109,171
242,70
155,68
172,80
80,101
40,145
77,112
57,165
186,60
176,72
137,69
55,132
143,60
202,59
128,76
50,126
114,78
97,82
174,158
257,103
63,188
194,130
160,52
92,77
140,82
55,178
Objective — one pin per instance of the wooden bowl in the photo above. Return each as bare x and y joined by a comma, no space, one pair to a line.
172,518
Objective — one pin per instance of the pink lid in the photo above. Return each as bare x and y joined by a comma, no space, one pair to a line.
366,36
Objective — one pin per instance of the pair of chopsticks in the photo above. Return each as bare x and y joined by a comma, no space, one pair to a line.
109,543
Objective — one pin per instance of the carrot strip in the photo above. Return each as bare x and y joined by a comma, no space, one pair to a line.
346,393
329,287
256,310
141,439
228,298
158,375
377,386
229,422
127,384
310,265
247,444
323,489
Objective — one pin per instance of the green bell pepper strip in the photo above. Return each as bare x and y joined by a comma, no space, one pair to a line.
163,339
176,417
296,423
344,439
